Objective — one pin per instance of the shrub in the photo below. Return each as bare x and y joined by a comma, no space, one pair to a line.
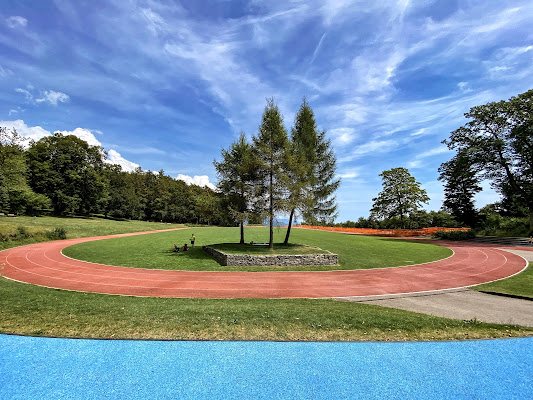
57,234
22,233
454,235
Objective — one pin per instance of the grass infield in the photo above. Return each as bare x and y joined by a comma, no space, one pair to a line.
155,251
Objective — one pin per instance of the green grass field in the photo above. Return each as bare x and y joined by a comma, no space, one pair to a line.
32,310
155,251
75,228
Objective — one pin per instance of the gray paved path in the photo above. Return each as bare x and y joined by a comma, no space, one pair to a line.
461,304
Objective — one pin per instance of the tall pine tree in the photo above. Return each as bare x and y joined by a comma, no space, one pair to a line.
311,170
237,179
271,145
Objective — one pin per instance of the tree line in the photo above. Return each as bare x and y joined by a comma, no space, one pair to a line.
65,175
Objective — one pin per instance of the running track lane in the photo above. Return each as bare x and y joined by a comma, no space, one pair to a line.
43,264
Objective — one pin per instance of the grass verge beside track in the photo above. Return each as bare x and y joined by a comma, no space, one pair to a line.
518,285
155,251
75,227
38,311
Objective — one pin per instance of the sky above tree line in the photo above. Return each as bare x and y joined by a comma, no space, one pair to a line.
167,84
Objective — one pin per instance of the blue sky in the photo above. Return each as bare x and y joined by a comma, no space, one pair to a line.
167,84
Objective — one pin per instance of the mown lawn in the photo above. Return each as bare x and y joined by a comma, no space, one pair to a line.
156,251
518,285
32,310
75,227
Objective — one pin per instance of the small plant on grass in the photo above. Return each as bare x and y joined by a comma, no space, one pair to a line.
58,233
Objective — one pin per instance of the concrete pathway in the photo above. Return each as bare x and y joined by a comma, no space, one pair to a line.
461,303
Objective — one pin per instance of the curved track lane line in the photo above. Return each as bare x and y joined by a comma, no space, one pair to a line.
43,264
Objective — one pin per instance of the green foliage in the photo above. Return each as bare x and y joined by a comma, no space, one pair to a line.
462,183
455,235
271,151
25,234
16,196
401,195
313,183
58,233
498,141
69,172
238,174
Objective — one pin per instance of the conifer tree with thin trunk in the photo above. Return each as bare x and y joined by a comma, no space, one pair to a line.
238,175
312,171
270,146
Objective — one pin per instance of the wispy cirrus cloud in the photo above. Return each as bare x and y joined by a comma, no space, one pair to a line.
16,22
53,97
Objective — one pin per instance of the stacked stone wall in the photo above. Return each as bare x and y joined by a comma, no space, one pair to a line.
248,260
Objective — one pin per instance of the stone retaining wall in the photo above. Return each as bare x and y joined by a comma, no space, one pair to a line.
247,260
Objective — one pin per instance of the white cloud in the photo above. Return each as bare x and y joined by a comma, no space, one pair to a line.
16,21
349,175
36,132
26,93
199,180
114,157
374,146
53,97
343,136
83,134
5,72
31,132
414,164
434,152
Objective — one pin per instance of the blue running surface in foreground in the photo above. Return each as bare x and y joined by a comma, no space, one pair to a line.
46,368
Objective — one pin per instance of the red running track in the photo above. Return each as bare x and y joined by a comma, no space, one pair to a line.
43,264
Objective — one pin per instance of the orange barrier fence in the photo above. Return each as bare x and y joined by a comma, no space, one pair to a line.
384,232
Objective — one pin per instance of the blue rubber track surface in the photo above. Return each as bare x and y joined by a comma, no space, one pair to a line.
44,368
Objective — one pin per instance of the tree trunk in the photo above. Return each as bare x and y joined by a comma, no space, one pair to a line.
271,211
531,220
289,228
242,233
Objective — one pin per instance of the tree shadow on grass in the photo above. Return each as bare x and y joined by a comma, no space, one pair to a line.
196,253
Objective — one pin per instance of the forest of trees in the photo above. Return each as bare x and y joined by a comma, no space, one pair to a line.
64,175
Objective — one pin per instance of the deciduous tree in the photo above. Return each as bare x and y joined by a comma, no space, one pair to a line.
69,172
401,195
499,141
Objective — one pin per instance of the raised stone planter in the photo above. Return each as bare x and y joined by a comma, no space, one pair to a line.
247,260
